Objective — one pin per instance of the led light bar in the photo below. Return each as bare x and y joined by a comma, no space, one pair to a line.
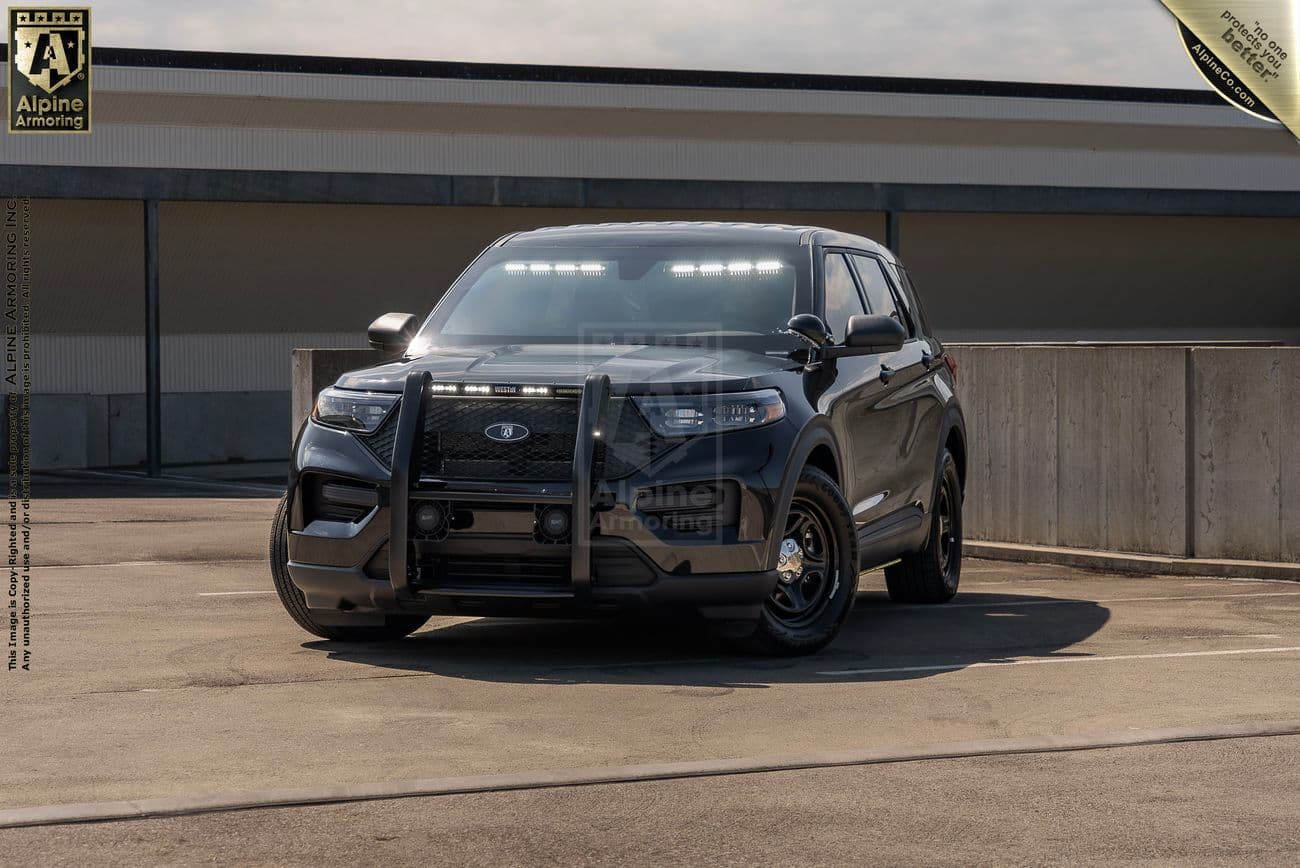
567,269
504,390
739,268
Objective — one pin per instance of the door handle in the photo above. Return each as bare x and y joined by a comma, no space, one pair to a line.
886,374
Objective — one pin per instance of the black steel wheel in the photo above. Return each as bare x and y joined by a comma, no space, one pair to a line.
817,564
806,562
933,574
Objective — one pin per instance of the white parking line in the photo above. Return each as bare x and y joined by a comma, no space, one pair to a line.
1237,636
1107,600
158,563
951,667
231,593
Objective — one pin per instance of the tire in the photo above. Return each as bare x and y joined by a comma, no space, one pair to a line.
804,614
932,574
394,626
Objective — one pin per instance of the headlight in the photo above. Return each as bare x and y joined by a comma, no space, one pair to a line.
679,415
355,411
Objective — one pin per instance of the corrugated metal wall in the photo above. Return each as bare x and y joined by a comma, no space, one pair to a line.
1113,277
242,284
221,119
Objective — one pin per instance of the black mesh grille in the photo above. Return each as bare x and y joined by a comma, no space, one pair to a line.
628,444
489,572
381,442
454,446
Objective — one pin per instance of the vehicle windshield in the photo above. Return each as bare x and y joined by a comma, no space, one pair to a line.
623,295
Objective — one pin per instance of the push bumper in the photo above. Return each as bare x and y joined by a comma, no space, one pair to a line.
342,589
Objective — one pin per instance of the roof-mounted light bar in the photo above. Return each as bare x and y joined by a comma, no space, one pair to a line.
737,268
563,269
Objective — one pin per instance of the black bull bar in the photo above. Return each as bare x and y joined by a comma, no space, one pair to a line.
410,417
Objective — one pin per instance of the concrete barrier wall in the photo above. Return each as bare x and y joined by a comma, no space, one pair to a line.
1181,451
76,431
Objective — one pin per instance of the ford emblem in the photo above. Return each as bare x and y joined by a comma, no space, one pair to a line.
506,432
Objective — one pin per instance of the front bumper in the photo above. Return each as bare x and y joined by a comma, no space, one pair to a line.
611,561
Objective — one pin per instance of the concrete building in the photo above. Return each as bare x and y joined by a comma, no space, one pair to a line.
277,202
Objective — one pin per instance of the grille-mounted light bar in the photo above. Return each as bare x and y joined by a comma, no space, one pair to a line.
503,390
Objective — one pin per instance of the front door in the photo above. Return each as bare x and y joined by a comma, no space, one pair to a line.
910,407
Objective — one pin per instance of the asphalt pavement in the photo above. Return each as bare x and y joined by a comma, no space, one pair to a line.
165,668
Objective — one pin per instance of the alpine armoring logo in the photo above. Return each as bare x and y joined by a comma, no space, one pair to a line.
506,432
49,70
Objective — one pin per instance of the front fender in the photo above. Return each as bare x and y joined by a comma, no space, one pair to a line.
816,432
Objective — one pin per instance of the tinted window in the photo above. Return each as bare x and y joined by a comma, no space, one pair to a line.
879,297
913,300
634,294
842,299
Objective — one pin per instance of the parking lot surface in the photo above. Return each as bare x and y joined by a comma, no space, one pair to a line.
166,667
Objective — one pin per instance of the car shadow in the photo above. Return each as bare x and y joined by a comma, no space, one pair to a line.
125,485
881,641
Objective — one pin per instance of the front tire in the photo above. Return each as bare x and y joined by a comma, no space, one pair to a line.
394,626
819,572
932,574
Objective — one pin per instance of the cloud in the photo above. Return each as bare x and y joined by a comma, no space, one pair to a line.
1116,42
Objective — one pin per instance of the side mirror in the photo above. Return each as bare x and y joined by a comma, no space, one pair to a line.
393,332
870,334
810,327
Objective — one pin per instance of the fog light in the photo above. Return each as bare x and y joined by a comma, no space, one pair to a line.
429,517
554,522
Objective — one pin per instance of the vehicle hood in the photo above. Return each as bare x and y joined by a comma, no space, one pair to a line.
630,368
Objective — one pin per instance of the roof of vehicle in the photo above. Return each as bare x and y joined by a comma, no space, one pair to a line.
688,232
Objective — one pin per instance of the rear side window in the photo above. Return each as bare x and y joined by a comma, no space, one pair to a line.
842,299
879,296
913,300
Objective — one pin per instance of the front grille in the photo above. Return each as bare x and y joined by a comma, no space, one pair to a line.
453,444
628,443
489,572
380,443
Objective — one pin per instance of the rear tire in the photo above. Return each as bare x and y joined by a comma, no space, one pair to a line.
932,574
394,626
816,592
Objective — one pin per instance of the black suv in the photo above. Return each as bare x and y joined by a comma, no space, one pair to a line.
727,419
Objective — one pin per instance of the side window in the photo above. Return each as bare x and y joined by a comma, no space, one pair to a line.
879,296
913,300
842,299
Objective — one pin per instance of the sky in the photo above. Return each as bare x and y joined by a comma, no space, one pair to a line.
1111,42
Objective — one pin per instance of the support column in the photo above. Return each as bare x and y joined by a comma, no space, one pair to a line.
892,239
152,341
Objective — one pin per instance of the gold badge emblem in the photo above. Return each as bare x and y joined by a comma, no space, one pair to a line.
49,70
